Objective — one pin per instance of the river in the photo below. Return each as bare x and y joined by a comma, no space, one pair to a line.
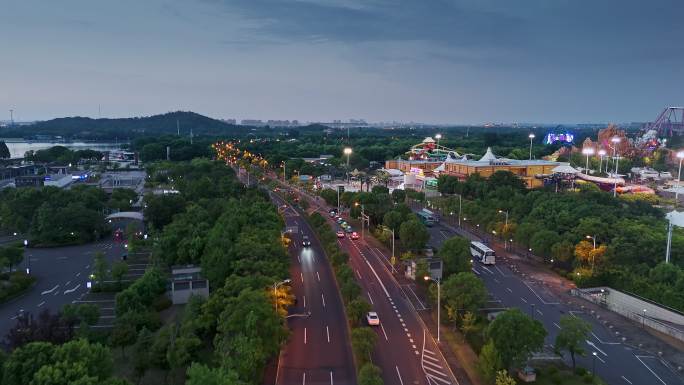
17,149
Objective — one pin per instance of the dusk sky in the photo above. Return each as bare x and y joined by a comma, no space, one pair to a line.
436,61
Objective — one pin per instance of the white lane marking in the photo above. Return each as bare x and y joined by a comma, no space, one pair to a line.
49,291
41,304
331,379
487,269
540,313
624,378
357,273
523,299
301,276
72,290
496,280
327,332
78,274
383,332
370,298
556,325
299,259
509,290
499,270
399,375
537,295
596,347
87,267
604,342
304,297
323,298
318,276
475,271
378,278
442,232
304,378
68,283
304,336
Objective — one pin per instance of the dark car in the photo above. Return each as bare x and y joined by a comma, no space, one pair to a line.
306,242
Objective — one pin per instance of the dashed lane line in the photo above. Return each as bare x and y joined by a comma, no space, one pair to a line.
49,291
626,380
41,304
68,291
370,298
383,332
399,375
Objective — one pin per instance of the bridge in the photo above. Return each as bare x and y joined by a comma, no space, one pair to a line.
134,215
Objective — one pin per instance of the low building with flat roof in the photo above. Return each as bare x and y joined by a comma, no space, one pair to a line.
187,281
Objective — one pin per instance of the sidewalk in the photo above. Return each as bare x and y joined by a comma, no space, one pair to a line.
633,335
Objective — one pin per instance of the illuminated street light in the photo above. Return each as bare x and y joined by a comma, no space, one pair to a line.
615,141
531,136
439,290
680,155
275,291
601,153
347,151
587,151
438,137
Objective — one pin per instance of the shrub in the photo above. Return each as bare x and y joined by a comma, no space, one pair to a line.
161,303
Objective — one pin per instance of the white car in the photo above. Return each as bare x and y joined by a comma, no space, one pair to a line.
372,318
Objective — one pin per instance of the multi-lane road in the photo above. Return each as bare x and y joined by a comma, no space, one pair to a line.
318,351
617,363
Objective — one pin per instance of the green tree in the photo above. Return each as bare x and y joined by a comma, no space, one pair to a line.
490,361
199,374
542,242
503,378
413,234
101,267
455,254
123,334
356,311
571,336
393,219
11,255
119,270
363,341
398,196
64,373
350,290
25,361
516,336
468,323
94,357
142,359
86,312
370,374
463,292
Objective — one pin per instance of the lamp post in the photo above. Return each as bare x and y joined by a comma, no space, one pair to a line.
531,136
28,258
275,292
587,151
393,258
347,151
439,307
438,137
643,320
593,364
680,155
505,227
615,141
601,153
593,254
459,209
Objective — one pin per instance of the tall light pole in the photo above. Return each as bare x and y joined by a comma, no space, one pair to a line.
593,254
601,153
587,151
28,257
439,303
615,141
275,292
531,136
347,151
459,210
505,227
438,137
11,117
593,364
680,155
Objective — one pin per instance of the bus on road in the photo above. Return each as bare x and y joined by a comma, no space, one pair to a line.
482,253
428,219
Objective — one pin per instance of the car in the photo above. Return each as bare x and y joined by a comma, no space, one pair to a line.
372,318
344,225
340,220
306,242
354,235
340,234
332,214
349,229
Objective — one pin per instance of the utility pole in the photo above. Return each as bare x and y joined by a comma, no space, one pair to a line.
11,117
190,135
177,127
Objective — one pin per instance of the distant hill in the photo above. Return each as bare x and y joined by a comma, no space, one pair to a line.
87,128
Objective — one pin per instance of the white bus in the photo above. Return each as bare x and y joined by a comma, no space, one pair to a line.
482,253
429,213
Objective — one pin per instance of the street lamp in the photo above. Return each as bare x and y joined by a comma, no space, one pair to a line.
438,137
439,320
505,226
275,292
28,258
593,364
680,155
531,136
615,141
601,153
587,151
347,151
593,254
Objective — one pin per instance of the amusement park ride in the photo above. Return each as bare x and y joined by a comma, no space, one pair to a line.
670,122
430,150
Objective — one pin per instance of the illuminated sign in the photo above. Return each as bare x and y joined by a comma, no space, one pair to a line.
564,138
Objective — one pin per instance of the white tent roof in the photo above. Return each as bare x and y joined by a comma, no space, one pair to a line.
564,169
428,140
676,218
488,156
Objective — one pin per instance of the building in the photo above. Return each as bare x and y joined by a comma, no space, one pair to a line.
530,171
187,281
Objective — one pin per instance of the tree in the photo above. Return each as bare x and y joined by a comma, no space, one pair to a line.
413,234
86,312
94,357
4,150
572,335
587,254
119,270
490,361
468,323
363,340
123,334
516,336
141,355
503,378
455,254
463,292
25,361
370,374
12,255
356,310
398,196
393,219
199,374
101,267
542,242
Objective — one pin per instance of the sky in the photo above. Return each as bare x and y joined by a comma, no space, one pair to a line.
433,61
